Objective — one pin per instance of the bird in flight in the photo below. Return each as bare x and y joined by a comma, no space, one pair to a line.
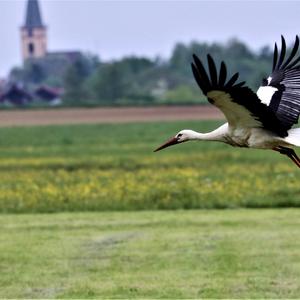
261,120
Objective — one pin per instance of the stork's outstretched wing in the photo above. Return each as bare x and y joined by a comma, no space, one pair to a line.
281,90
240,105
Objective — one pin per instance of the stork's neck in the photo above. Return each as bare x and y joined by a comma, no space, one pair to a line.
215,135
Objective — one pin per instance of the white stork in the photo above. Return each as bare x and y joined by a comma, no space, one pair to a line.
263,120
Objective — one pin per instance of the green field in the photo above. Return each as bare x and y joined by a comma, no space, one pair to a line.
158,254
113,167
88,237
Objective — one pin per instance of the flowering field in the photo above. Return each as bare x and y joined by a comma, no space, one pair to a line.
113,167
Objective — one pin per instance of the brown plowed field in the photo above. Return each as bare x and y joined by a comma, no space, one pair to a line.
107,115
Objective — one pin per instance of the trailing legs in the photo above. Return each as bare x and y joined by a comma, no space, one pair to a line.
290,153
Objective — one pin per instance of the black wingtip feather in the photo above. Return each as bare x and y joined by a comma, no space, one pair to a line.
210,80
240,84
212,70
201,73
197,78
275,55
293,53
232,80
297,60
282,53
280,64
223,74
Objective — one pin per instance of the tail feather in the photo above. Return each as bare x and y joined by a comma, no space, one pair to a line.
293,137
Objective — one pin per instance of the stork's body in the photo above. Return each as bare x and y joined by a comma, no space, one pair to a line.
248,137
257,138
263,120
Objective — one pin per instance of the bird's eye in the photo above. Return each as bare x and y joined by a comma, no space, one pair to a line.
179,135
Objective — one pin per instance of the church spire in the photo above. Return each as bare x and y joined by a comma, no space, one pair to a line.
33,16
33,33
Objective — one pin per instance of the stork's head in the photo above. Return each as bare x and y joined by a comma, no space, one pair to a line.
180,137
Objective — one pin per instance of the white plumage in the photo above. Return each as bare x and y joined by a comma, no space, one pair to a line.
263,120
265,94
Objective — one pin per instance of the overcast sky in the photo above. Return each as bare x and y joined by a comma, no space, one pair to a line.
113,29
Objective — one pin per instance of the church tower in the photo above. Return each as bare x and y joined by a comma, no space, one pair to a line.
33,33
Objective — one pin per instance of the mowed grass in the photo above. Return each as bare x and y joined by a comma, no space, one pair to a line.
159,254
113,167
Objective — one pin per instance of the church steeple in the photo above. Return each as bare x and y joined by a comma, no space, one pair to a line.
33,16
33,33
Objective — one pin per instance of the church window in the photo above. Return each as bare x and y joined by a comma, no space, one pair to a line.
31,48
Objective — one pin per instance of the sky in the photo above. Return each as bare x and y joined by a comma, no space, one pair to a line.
113,29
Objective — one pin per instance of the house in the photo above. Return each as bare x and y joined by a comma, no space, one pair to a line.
48,94
16,94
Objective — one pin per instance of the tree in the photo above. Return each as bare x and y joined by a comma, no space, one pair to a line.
138,80
118,80
183,94
74,82
179,56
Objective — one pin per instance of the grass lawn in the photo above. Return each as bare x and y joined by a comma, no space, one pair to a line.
151,254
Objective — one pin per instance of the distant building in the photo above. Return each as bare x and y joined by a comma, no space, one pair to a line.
3,83
50,95
34,37
15,94
44,64
33,33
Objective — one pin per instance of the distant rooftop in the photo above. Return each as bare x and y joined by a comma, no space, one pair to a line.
33,16
72,55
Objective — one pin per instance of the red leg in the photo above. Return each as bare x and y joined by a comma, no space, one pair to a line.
290,153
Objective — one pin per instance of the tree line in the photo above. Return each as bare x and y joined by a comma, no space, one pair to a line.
140,80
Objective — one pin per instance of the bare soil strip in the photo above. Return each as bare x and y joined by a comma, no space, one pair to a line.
107,115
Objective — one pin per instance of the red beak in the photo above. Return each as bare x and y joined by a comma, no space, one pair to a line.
172,141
